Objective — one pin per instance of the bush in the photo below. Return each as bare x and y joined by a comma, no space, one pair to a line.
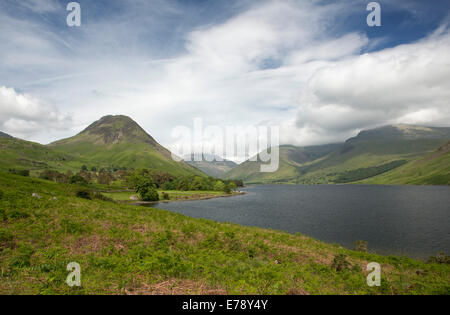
1,195
6,239
219,186
440,258
84,193
23,257
149,194
361,246
25,173
166,196
340,263
100,196
77,179
72,227
145,188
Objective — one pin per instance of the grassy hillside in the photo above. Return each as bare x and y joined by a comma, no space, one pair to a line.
368,154
434,169
291,160
19,154
121,142
135,250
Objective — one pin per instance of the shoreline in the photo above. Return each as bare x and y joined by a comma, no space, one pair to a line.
142,203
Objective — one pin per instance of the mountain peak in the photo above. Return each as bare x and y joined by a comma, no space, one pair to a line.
5,135
114,129
403,132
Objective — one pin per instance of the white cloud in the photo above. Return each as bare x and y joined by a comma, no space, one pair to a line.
23,115
405,84
41,6
277,62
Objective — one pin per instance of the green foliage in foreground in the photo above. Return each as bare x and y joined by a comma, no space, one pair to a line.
128,249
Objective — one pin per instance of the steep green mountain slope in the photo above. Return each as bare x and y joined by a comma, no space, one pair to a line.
433,169
124,249
20,155
119,141
212,165
370,153
291,160
4,135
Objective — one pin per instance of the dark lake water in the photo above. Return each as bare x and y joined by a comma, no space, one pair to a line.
404,220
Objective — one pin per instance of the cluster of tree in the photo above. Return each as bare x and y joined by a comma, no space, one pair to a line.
103,177
185,183
20,172
362,173
105,169
132,178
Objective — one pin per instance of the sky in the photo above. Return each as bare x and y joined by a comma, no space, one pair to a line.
314,68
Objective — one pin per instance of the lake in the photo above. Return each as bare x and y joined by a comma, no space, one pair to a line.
403,220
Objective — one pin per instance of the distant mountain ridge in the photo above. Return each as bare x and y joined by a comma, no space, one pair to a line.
212,165
403,132
374,156
369,153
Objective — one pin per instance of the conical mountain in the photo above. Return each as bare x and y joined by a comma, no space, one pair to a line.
118,141
5,135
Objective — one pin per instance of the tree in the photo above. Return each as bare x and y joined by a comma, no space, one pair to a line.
219,186
145,188
77,179
227,189
104,178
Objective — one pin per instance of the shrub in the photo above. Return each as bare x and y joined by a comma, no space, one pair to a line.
166,196
361,246
100,196
84,193
6,239
77,179
440,258
72,227
25,173
17,214
340,263
145,188
23,257
149,194
219,186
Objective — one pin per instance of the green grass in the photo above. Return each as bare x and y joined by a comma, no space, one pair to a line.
24,155
128,249
434,169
